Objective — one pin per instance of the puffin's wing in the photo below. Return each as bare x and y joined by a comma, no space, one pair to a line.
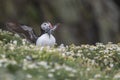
55,26
22,30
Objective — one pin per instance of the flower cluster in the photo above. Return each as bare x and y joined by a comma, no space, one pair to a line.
21,60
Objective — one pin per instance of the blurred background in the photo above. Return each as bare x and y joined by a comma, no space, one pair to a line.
82,21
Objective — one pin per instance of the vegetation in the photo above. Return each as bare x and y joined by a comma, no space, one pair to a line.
20,60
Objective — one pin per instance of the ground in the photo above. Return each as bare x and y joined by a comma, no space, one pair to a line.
20,60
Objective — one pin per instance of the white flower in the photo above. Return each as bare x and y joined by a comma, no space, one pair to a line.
100,45
29,57
32,66
52,70
71,75
97,76
63,54
62,46
16,35
106,76
67,68
41,48
23,41
105,61
117,76
43,63
3,55
5,62
118,53
50,75
92,79
93,48
88,69
12,48
111,65
79,51
92,62
118,48
106,51
57,67
29,76
15,42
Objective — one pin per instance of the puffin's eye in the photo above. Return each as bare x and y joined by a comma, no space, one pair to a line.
45,24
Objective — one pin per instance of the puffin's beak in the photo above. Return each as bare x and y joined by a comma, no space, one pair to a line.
50,26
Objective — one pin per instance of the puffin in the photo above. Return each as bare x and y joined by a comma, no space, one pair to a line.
46,38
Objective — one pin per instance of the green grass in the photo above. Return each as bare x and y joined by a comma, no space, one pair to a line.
20,60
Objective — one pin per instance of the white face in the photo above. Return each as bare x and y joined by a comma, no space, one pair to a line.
45,25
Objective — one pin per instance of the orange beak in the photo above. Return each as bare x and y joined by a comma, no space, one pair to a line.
50,26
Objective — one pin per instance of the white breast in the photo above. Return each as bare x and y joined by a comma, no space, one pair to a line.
46,40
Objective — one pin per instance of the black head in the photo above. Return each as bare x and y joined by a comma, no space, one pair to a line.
46,27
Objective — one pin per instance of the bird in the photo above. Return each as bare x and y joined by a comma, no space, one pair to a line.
46,38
